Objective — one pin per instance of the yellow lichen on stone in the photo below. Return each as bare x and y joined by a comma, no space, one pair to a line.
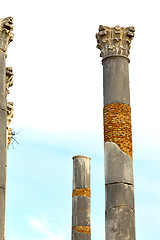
86,192
117,126
82,229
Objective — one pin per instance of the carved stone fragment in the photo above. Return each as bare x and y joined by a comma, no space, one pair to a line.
6,34
9,117
114,41
9,79
9,112
9,136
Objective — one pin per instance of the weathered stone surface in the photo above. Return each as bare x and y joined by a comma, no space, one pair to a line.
120,224
2,213
80,211
80,236
119,194
118,165
2,148
81,172
3,101
9,79
116,80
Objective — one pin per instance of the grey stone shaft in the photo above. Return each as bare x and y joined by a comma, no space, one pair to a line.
119,182
120,224
118,165
81,211
80,236
116,80
81,205
119,194
3,101
81,172
3,147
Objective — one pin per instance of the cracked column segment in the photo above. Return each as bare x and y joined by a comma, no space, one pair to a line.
118,165
81,197
114,44
6,36
119,194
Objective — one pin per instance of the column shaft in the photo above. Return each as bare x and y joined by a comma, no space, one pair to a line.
81,198
114,44
6,36
3,152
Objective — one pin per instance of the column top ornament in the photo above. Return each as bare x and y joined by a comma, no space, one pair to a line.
6,34
114,41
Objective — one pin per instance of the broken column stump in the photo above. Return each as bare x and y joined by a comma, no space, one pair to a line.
81,198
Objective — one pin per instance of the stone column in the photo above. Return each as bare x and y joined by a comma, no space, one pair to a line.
6,36
81,198
114,44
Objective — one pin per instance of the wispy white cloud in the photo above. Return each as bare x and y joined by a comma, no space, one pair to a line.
41,225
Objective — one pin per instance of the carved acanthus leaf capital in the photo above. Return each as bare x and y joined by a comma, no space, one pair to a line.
6,34
9,79
114,41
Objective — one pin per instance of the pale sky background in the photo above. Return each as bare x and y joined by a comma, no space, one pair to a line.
58,106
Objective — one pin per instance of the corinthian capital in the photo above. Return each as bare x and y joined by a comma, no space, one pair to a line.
115,41
6,34
9,79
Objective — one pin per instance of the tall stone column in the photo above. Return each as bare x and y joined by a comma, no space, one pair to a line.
6,36
114,44
81,198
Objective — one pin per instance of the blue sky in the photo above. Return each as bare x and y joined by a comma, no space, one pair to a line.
39,186
58,106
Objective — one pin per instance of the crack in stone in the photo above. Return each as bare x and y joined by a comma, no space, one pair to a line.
2,188
130,184
2,110
120,149
121,205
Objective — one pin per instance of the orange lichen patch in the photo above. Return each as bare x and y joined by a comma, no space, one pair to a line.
82,192
117,126
82,229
